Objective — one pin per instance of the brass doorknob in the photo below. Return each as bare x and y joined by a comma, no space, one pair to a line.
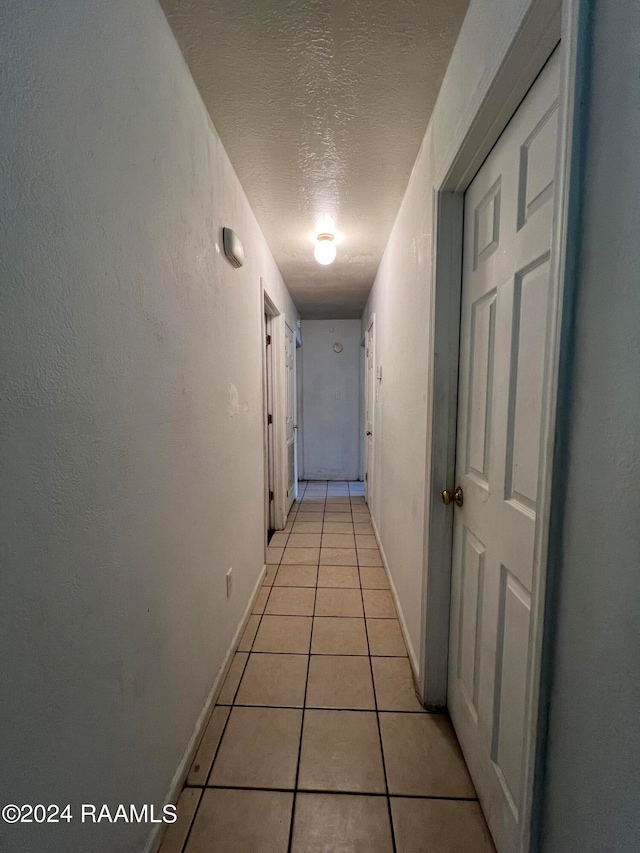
456,497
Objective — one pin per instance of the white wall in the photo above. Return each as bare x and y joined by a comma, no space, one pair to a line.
402,301
131,481
593,782
331,399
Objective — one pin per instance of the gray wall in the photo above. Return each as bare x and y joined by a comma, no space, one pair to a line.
331,426
593,782
131,425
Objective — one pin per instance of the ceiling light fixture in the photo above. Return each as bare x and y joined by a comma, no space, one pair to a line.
325,250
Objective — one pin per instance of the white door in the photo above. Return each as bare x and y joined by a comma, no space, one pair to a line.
290,411
503,341
370,399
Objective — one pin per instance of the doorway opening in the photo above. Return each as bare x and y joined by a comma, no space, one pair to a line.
370,406
291,426
268,381
332,400
279,416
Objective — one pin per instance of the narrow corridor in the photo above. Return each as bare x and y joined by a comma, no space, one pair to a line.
247,243
318,741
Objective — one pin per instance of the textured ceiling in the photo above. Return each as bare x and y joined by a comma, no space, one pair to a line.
321,106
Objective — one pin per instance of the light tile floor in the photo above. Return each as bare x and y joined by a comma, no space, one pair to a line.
318,742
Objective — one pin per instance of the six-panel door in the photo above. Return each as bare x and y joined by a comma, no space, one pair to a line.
505,302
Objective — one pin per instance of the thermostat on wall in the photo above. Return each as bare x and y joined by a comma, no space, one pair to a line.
233,248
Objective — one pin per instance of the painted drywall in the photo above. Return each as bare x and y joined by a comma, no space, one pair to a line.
321,106
593,772
401,299
130,481
331,399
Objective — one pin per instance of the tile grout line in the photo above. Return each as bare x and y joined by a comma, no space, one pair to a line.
304,704
293,803
315,707
224,728
334,654
377,712
307,616
249,653
193,819
226,722
332,793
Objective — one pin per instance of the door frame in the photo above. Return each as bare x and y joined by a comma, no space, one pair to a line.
543,26
368,460
289,499
297,367
267,405
273,371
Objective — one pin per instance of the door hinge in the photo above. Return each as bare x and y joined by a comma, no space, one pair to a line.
270,496
269,419
366,477
268,339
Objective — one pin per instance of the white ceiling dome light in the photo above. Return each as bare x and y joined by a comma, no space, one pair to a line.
325,249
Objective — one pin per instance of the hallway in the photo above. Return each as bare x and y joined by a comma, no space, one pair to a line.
319,705
320,408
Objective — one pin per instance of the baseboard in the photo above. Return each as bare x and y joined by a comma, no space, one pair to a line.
177,783
413,660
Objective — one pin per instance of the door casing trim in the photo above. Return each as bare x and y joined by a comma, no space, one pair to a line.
278,402
544,24
368,479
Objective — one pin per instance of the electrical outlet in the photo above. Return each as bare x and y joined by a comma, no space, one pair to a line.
229,582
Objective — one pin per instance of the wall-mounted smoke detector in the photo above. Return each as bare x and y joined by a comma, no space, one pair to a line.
233,248
325,249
